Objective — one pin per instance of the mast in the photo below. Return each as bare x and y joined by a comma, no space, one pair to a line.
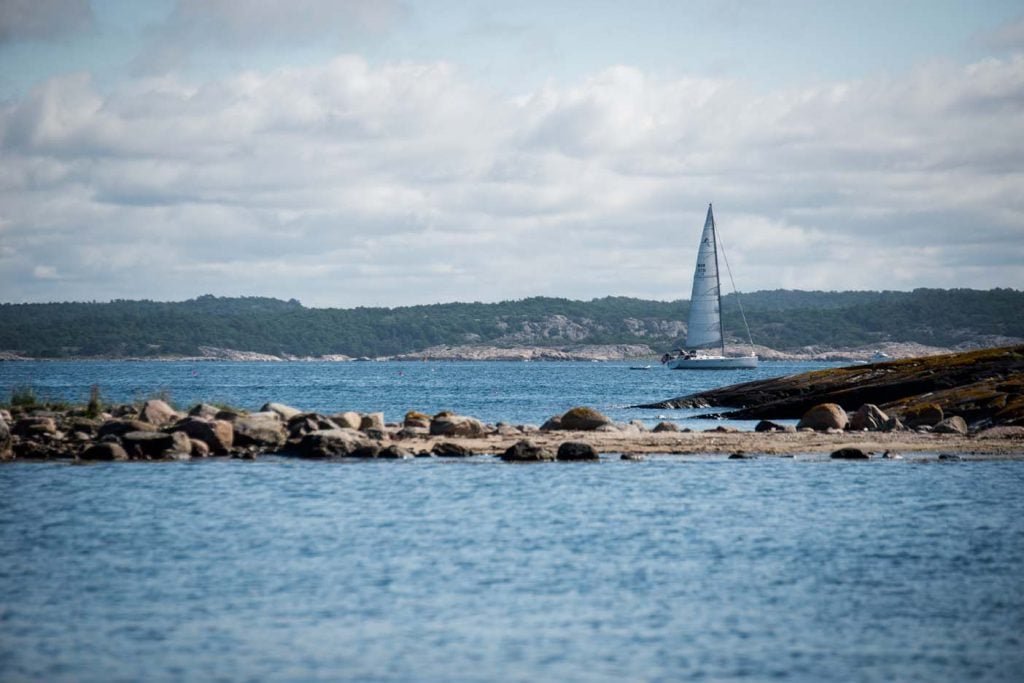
718,280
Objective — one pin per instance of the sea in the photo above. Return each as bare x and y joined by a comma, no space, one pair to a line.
676,568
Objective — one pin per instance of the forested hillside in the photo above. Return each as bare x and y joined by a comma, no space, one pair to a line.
779,319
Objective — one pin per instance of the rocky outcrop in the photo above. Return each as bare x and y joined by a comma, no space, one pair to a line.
984,387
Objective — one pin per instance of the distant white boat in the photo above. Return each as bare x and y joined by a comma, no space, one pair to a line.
704,334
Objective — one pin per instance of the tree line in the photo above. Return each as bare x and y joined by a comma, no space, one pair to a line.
781,319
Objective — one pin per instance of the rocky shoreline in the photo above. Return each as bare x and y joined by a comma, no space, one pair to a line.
589,352
154,431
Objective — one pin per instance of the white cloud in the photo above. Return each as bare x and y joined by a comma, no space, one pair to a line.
350,184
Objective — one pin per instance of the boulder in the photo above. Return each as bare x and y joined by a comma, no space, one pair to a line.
447,424
869,417
923,415
823,416
448,449
347,420
527,451
766,426
553,424
576,450
204,410
34,427
104,451
286,412
155,444
583,419
119,427
953,424
199,448
304,423
395,452
666,427
218,435
849,454
416,420
157,412
5,441
259,431
336,443
372,421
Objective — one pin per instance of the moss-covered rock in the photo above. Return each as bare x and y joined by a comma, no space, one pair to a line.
584,419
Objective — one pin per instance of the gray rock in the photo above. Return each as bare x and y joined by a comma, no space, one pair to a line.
286,412
259,431
372,421
449,449
336,443
553,424
869,417
527,451
666,427
104,452
347,420
6,452
447,424
951,425
576,450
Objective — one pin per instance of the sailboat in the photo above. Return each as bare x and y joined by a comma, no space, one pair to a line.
704,333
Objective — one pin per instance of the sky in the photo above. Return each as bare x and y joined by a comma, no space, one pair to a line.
395,152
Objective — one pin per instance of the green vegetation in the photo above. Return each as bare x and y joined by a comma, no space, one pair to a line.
779,319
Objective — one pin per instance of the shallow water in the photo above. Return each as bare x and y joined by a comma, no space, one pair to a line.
427,570
512,392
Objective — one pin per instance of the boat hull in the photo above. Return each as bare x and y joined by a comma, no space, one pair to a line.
713,363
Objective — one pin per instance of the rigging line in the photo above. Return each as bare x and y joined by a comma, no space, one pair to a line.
735,291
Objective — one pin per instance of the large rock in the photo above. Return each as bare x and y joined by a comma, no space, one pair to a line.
347,420
5,441
372,421
337,443
35,427
119,427
951,425
261,432
869,417
527,451
306,423
450,449
447,424
157,412
156,444
823,416
576,450
923,415
218,435
416,420
286,412
104,451
583,419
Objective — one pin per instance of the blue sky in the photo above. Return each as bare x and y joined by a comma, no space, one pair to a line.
359,152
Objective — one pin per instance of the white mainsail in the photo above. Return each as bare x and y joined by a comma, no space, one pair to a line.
704,326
